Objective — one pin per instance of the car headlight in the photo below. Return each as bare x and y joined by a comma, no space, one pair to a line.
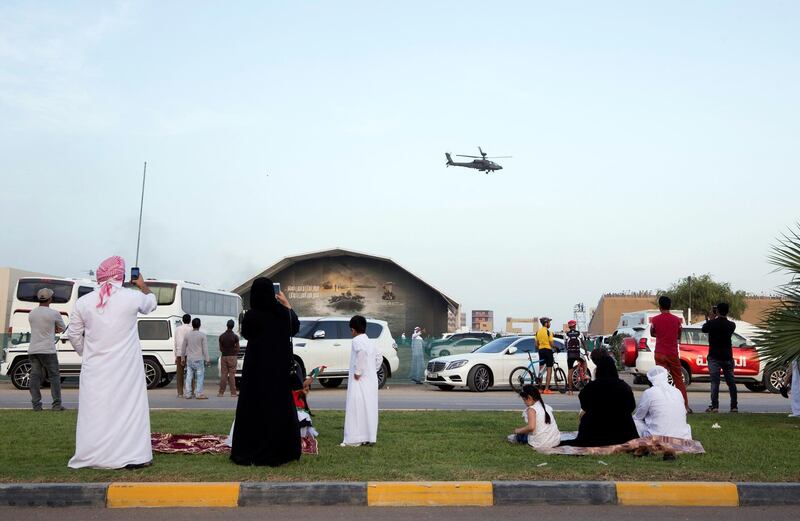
456,364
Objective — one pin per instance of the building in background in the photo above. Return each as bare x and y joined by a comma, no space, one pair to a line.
482,320
339,282
612,305
519,326
463,316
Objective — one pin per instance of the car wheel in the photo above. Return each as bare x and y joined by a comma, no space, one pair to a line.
774,378
383,374
152,373
331,383
755,387
445,387
443,352
166,380
687,376
479,379
21,375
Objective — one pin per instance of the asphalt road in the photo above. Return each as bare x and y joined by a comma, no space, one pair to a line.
550,513
399,397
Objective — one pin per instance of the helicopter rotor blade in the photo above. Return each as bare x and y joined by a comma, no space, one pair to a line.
462,155
498,157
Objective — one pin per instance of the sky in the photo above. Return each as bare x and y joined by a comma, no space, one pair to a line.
650,140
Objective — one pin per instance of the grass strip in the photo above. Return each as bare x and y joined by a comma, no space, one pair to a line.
441,445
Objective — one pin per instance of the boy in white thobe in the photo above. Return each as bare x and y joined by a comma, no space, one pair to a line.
361,408
113,413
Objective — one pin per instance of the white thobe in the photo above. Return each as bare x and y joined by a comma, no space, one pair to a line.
113,413
662,412
361,407
795,393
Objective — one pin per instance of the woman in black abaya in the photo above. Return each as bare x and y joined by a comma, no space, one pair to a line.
266,431
607,404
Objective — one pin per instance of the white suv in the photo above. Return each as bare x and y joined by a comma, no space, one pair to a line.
158,356
327,341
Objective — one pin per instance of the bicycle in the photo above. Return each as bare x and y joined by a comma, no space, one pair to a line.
581,375
522,376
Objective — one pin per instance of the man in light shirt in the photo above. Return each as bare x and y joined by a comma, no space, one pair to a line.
45,323
180,357
195,349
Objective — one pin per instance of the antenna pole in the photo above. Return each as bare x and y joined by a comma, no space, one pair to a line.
141,206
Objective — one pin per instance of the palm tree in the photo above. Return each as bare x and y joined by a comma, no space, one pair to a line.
780,341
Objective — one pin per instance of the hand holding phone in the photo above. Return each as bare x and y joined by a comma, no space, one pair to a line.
277,287
134,273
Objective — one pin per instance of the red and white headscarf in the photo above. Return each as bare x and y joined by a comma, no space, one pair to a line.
110,273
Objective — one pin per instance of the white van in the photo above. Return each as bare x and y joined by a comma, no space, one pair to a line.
158,355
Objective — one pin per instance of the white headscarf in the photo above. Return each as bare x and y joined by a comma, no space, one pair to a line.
659,377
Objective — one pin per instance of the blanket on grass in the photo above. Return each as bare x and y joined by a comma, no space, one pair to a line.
166,443
637,447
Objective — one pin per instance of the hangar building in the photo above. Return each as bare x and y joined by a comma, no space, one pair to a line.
340,282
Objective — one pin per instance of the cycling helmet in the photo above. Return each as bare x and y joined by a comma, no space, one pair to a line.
572,323
544,320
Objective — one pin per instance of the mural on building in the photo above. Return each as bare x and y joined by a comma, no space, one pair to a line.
345,288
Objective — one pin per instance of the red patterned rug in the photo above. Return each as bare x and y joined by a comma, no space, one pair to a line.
639,447
165,443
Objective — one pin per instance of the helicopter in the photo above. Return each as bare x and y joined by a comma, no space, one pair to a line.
481,163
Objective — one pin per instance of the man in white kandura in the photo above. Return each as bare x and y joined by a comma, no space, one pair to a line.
661,411
361,407
113,413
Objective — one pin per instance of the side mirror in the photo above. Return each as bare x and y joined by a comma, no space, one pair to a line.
64,340
319,334
511,350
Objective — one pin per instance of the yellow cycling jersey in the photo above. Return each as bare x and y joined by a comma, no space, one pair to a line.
544,338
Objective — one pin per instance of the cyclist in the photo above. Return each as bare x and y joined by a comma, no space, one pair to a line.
575,344
544,341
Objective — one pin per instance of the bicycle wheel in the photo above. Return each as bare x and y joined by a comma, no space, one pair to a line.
577,382
520,377
560,380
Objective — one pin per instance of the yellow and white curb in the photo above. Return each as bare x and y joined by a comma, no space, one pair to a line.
400,494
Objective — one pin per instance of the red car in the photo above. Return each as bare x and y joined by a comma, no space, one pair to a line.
637,354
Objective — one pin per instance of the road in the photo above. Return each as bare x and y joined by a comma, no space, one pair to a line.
401,396
551,513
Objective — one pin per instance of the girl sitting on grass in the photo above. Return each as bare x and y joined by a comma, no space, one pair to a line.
540,431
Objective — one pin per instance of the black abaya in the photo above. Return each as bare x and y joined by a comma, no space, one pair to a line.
266,431
608,406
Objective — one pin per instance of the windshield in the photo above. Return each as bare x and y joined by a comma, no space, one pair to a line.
496,346
306,328
28,288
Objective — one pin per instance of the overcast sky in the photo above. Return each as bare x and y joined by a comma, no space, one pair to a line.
650,141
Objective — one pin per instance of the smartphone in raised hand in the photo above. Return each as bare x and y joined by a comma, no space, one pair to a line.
277,287
134,274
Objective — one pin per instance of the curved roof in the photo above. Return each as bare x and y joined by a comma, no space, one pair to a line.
335,252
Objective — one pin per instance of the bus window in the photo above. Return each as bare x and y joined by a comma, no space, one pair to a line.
27,290
164,291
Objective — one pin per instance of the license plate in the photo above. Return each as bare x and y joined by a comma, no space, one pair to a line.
433,375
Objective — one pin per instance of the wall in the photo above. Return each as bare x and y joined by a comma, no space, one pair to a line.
606,316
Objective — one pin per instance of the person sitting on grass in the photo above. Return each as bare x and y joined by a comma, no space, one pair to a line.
540,430
606,407
661,410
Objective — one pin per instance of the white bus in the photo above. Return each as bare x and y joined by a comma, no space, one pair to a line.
156,332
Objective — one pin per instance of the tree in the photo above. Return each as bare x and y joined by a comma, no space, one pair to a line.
780,341
701,293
